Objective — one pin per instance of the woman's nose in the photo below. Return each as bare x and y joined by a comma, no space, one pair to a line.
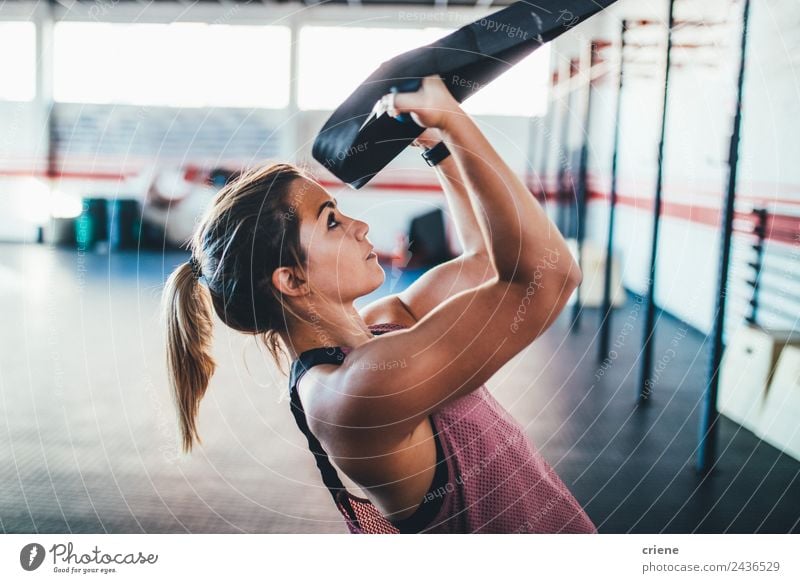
361,229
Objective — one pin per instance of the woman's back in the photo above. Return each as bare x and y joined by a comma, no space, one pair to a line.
495,480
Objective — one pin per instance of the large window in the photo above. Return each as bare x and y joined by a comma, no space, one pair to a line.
521,91
18,61
177,64
334,60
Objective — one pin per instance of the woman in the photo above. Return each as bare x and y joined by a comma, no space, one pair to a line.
394,394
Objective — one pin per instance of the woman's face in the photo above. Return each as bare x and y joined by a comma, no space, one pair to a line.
336,246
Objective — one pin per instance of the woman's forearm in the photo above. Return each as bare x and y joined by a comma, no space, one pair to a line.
473,240
521,238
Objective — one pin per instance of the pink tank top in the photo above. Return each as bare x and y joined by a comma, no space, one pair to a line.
495,481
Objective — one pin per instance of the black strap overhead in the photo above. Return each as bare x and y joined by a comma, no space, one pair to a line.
309,358
358,140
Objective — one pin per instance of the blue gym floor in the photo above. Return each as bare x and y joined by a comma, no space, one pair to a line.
88,436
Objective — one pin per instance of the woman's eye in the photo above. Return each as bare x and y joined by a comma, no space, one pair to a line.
331,218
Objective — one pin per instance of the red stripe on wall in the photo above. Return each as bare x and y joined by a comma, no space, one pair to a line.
67,174
695,214
780,227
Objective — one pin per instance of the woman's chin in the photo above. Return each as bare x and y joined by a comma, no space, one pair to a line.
379,279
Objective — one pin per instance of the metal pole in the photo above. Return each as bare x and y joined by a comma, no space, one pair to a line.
547,134
605,314
706,450
44,82
583,183
650,316
760,232
534,139
563,151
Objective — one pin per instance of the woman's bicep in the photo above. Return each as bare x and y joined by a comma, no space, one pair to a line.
398,379
446,280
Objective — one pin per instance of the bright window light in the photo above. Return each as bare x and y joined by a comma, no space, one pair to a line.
520,91
176,64
17,73
333,60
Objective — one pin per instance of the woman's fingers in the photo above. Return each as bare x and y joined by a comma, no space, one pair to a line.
403,102
389,104
392,104
426,106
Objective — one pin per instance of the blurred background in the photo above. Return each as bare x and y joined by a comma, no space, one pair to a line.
666,396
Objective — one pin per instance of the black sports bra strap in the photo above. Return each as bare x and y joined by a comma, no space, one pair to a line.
330,477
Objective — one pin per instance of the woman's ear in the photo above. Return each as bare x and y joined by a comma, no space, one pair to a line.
287,280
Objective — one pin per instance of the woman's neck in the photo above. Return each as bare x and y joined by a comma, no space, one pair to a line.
344,328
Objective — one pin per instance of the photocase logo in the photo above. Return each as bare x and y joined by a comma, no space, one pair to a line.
31,556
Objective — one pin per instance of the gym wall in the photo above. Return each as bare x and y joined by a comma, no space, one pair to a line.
702,95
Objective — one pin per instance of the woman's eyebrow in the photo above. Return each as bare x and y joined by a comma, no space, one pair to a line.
328,203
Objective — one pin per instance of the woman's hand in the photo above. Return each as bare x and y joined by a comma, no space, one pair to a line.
431,106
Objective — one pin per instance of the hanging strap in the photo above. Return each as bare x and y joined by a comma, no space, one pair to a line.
330,477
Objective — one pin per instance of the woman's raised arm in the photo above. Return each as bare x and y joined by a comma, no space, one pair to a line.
465,340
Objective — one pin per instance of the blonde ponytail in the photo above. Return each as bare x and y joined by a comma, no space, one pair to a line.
251,228
187,309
